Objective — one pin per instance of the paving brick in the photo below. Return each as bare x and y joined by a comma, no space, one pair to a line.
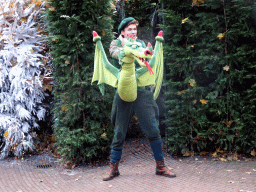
198,176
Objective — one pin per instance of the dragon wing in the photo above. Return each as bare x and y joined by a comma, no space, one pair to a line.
144,78
104,72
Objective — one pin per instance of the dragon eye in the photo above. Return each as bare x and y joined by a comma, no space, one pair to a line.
134,46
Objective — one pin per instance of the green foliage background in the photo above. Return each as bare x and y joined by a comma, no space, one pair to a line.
139,9
210,78
80,114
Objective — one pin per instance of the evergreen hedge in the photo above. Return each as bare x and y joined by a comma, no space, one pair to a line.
80,114
210,75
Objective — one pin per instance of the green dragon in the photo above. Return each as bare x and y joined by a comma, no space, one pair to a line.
127,79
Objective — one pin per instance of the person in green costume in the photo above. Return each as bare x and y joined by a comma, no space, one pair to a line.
144,107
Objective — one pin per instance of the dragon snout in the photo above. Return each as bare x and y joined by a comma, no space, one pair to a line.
146,52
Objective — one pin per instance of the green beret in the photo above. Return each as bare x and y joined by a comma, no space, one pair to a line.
124,22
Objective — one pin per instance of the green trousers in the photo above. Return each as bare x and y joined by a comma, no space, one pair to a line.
145,109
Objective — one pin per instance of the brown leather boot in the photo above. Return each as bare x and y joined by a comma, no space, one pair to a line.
113,172
161,169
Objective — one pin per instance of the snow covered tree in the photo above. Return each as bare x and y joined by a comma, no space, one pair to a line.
21,92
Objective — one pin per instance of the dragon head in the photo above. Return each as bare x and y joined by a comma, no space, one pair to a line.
133,50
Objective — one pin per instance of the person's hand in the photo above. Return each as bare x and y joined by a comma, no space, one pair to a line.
123,40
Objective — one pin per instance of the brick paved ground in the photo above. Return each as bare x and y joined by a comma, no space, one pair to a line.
137,169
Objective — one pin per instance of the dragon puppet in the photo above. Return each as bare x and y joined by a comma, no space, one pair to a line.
127,79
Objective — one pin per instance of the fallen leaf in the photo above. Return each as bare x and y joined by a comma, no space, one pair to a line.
93,177
219,151
254,169
138,173
230,158
231,181
229,170
110,186
235,158
137,165
222,159
41,181
186,154
248,172
253,153
196,159
67,62
214,154
203,153
76,179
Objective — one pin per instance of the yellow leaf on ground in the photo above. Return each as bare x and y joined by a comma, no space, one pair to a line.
253,153
12,5
137,165
219,151
203,153
186,154
214,154
67,62
222,159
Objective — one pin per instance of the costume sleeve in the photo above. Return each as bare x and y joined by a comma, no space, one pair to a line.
114,49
